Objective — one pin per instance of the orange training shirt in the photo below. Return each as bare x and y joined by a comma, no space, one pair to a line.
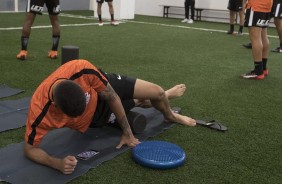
43,116
260,5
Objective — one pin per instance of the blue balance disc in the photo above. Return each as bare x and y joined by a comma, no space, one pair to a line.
158,155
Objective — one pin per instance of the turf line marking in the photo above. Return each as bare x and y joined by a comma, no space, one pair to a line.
76,16
187,27
50,26
123,21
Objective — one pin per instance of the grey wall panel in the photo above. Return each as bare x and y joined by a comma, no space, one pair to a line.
7,5
75,5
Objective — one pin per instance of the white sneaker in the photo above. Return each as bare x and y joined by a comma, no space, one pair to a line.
185,20
114,23
190,21
101,23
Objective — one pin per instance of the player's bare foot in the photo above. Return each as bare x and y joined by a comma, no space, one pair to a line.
176,91
185,120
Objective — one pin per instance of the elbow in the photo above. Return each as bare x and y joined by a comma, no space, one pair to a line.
27,150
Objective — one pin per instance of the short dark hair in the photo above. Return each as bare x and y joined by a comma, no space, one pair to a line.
70,98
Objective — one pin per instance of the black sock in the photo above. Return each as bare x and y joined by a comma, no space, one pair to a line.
258,68
100,18
24,42
280,45
264,62
56,39
241,29
231,27
112,17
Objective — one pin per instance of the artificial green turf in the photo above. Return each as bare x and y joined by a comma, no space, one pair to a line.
208,62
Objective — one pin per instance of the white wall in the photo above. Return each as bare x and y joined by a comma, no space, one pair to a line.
154,8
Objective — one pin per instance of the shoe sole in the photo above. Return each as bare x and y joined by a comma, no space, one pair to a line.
55,57
276,51
22,58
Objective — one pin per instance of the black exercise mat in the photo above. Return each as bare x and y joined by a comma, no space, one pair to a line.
6,91
13,113
15,168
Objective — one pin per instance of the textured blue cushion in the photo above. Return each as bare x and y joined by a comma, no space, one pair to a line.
158,155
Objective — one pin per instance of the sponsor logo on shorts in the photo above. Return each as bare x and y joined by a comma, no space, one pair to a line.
118,77
36,8
262,22
56,9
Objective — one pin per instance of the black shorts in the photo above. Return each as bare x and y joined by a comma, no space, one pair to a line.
235,5
276,11
36,6
256,19
189,2
124,87
102,1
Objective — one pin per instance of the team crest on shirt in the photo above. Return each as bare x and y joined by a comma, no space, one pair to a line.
87,97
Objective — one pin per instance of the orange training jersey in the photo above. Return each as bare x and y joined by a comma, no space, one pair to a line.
260,5
42,114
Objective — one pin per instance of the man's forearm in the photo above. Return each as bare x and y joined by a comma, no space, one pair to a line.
38,155
116,107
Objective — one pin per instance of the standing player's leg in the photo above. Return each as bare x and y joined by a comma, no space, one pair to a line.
232,15
257,22
56,32
265,50
53,10
99,11
241,17
278,25
192,5
33,7
26,30
185,20
255,34
111,10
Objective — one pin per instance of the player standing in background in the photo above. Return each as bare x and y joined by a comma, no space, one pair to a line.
277,14
257,20
35,7
111,10
188,4
236,6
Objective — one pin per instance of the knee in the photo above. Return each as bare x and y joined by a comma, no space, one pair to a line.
160,93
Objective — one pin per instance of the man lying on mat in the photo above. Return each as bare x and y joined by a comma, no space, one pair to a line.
78,95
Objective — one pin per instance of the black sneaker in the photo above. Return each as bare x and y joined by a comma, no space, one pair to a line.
248,45
278,50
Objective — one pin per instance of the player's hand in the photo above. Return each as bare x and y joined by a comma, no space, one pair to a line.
68,164
130,141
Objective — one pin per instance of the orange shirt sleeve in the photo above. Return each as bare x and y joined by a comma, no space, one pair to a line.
34,133
97,81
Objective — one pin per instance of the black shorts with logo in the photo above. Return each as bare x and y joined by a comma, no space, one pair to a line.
36,6
235,5
256,19
276,11
102,1
124,87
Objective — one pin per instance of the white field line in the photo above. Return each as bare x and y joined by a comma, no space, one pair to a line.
123,21
187,27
